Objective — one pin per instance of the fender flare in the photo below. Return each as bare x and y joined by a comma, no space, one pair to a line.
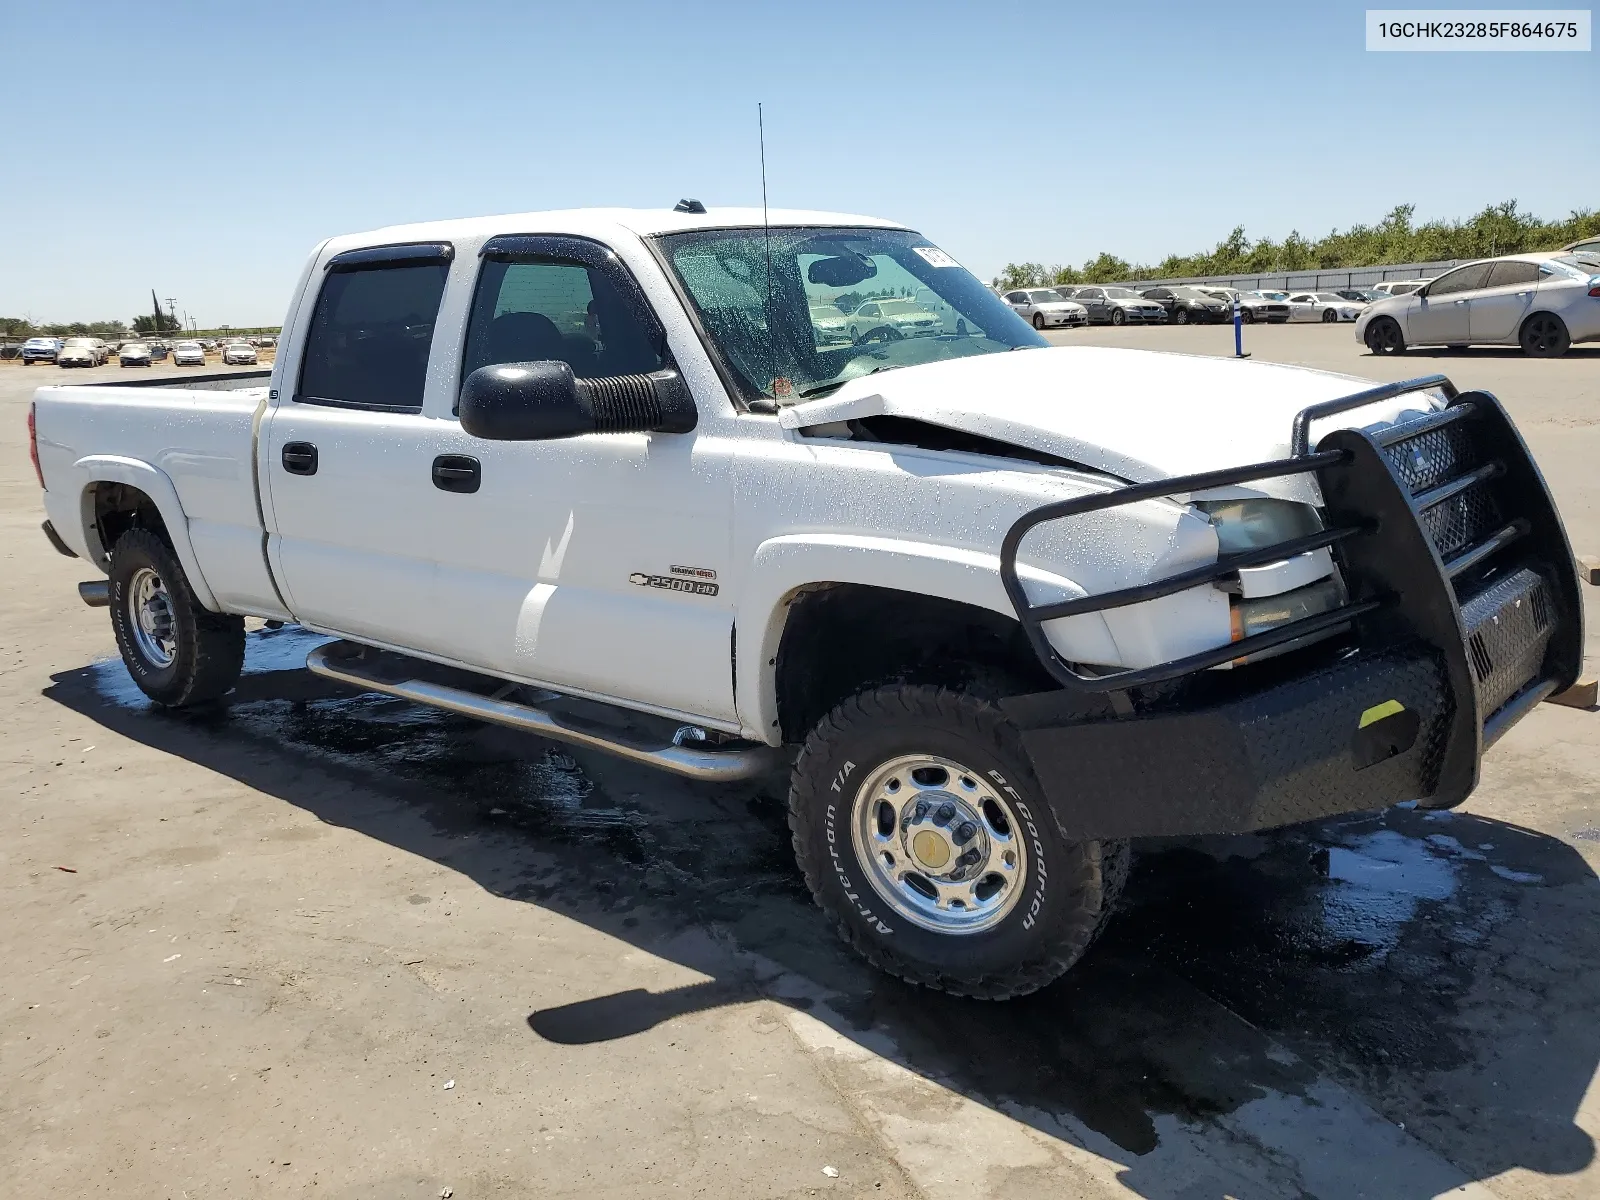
155,483
783,566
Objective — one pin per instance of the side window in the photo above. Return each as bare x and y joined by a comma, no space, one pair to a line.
1462,279
1506,274
1016,298
370,334
536,308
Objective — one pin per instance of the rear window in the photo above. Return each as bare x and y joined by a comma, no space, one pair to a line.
370,336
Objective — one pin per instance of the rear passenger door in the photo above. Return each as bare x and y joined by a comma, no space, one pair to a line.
345,470
1495,312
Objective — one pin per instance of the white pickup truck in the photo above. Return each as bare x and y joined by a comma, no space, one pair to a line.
1001,611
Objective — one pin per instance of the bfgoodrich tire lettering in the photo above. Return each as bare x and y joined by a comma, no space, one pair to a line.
1065,898
206,648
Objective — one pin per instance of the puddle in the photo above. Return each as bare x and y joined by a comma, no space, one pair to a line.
1353,941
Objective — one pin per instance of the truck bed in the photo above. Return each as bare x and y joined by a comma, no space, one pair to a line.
189,444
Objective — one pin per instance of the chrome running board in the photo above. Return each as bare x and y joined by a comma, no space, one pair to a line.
399,676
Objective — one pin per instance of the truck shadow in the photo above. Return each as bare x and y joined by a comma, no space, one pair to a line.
1444,967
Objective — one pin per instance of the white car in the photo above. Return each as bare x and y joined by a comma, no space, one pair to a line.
81,352
1043,308
1322,306
828,323
991,611
1398,287
188,354
1541,302
134,354
890,320
239,354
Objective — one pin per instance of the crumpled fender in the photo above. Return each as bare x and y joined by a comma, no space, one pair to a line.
782,566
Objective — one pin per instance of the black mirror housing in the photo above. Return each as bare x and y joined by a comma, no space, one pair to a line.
543,401
841,271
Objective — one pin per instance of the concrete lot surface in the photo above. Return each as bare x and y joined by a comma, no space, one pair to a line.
327,944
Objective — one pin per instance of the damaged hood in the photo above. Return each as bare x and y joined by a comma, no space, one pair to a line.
1139,415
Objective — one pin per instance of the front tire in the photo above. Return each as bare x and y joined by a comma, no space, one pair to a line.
1181,316
179,653
1118,317
1329,316
1038,320
925,838
1544,335
1384,337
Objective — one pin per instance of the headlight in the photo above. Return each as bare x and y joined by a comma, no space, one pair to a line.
1250,524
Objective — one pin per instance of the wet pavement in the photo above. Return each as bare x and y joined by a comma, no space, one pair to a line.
1441,966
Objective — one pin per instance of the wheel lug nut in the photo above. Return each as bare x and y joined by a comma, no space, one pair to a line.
921,810
947,812
965,833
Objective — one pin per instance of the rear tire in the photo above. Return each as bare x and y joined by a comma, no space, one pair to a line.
1544,335
870,791
1384,337
179,653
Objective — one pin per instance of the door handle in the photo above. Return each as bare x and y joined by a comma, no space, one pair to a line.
300,458
1460,301
457,473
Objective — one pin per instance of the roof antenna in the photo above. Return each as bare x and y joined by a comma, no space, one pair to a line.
766,237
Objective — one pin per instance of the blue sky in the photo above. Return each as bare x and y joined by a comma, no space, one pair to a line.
204,151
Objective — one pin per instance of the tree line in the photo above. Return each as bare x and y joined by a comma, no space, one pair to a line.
1498,229
12,328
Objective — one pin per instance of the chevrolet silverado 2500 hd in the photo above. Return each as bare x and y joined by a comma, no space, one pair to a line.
1004,606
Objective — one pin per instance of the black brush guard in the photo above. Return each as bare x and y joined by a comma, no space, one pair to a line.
1462,613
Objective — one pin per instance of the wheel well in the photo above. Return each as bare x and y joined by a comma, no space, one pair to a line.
842,637
119,507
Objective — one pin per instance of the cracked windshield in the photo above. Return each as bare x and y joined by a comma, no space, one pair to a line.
836,304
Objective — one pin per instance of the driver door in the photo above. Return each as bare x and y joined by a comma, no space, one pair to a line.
1440,314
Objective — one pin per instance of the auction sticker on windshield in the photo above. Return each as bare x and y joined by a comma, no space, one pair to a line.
934,256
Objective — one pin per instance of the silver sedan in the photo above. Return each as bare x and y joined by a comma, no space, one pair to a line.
1044,308
1541,302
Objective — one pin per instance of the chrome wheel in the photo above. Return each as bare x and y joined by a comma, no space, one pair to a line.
150,618
941,846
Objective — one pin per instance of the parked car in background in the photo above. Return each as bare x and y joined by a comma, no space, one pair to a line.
1115,305
40,349
828,324
1541,302
82,352
1590,244
188,354
1322,306
158,351
1045,308
1187,305
134,354
1398,287
890,320
238,354
1361,295
1253,306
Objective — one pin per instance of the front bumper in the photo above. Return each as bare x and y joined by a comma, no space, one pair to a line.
1463,615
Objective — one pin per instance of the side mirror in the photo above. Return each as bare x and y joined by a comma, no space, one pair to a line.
542,401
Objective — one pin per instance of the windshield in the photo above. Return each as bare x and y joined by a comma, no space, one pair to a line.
1123,294
920,305
188,346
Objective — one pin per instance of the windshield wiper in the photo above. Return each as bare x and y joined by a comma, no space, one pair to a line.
835,385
